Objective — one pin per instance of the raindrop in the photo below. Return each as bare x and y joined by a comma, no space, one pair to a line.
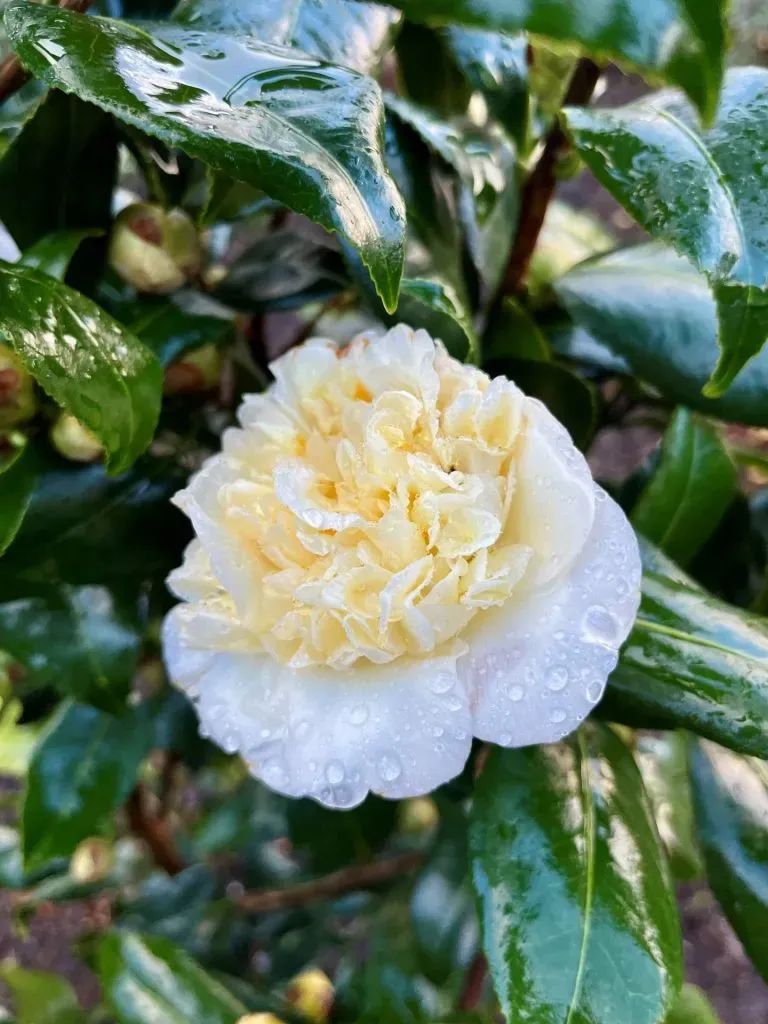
600,625
442,682
516,693
594,691
556,678
334,772
389,767
359,714
557,715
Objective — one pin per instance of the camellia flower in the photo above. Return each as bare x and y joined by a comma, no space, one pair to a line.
394,554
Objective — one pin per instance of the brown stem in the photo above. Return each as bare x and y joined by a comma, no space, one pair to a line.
540,186
364,876
155,832
12,73
472,992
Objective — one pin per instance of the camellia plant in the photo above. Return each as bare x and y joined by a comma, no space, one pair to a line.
383,533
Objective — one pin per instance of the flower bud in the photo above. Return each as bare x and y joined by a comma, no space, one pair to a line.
259,1018
91,862
418,815
311,993
196,371
153,250
74,441
17,393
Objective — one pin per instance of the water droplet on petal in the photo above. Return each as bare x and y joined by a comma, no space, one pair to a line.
556,678
516,693
389,767
442,682
359,714
600,625
594,691
334,772
557,715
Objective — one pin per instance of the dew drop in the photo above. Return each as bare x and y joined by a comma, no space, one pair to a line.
229,742
389,767
556,678
516,693
557,715
594,691
600,625
334,772
274,773
359,714
442,682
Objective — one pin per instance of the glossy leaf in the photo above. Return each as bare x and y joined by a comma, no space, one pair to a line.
306,132
651,309
690,491
356,35
53,253
692,1007
682,41
700,191
693,662
83,359
568,237
514,334
40,997
731,799
84,526
663,762
148,978
18,473
330,841
84,641
578,927
496,65
435,306
82,771
59,172
169,331
428,72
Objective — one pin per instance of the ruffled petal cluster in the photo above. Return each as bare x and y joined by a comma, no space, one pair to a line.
394,553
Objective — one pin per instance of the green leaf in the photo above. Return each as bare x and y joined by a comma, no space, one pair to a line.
84,641
514,334
731,800
691,490
496,65
435,306
84,526
169,332
428,72
308,134
577,926
355,35
651,308
146,978
663,762
82,771
568,236
59,172
331,841
700,191
83,359
693,662
682,41
692,1007
18,474
40,997
53,253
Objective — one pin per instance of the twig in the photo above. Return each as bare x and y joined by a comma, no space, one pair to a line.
472,992
365,876
12,73
155,832
540,186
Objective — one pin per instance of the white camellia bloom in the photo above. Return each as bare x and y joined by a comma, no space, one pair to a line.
394,554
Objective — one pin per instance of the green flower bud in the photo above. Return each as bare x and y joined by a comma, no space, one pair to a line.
259,1018
17,393
153,250
74,441
91,862
418,815
196,371
311,994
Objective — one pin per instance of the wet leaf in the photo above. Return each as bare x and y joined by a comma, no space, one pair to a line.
18,474
41,997
307,133
699,190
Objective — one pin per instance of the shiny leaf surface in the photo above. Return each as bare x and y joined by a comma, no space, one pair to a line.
693,662
356,35
84,641
169,332
435,306
306,132
53,253
83,359
18,473
147,978
81,773
650,308
731,799
683,41
690,491
577,912
700,191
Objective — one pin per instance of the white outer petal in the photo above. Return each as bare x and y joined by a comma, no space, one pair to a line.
537,668
398,730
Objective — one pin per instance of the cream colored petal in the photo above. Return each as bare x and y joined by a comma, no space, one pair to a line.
537,666
399,730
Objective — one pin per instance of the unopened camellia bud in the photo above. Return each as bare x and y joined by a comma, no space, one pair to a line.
259,1018
420,814
91,862
17,393
196,371
311,994
154,250
74,441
